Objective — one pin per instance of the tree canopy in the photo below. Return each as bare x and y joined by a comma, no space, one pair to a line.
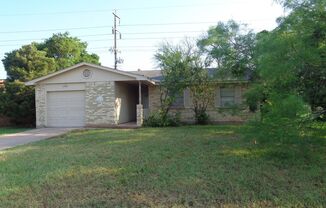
38,59
27,63
176,62
230,48
292,57
67,50
35,60
182,68
291,69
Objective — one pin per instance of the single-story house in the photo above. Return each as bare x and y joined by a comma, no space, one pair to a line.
92,95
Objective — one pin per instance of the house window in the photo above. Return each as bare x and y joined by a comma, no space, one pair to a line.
227,97
179,101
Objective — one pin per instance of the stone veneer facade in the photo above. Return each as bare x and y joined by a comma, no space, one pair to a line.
216,114
98,112
140,115
100,109
40,103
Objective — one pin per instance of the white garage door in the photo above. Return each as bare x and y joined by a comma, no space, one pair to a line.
66,109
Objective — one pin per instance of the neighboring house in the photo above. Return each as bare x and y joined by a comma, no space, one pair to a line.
93,95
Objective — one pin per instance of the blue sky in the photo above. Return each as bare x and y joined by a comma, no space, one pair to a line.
143,23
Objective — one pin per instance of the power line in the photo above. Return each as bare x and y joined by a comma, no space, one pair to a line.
40,39
104,34
123,25
167,24
56,29
97,40
101,51
125,39
71,12
157,38
174,6
165,32
55,13
103,26
123,47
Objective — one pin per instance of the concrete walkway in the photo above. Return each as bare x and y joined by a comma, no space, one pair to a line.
12,140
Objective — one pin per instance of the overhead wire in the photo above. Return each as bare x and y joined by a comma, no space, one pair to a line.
72,12
110,39
105,34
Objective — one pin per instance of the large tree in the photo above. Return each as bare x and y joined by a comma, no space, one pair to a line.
175,62
291,66
230,48
27,63
32,61
67,50
292,57
182,68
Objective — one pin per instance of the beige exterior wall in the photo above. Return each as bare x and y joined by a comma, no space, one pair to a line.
96,75
99,101
110,102
100,96
40,104
100,104
216,113
153,98
126,99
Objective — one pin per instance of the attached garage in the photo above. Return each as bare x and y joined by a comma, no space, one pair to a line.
66,109
88,95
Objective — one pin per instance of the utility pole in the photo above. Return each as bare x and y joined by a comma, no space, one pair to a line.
114,32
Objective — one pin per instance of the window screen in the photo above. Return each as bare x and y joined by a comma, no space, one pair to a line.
227,97
179,101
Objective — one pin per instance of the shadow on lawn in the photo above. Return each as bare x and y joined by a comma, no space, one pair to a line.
188,166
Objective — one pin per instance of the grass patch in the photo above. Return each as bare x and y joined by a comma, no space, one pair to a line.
12,130
191,166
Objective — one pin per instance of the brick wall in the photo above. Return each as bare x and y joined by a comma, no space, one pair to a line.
216,114
100,113
40,102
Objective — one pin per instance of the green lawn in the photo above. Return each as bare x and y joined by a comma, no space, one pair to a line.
12,130
191,166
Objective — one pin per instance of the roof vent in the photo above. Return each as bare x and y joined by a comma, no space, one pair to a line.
138,70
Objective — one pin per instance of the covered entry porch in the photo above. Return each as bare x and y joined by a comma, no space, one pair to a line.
131,102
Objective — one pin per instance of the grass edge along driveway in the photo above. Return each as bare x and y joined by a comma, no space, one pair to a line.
12,130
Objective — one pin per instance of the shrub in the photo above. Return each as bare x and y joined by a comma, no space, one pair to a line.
158,119
202,118
255,95
17,102
284,121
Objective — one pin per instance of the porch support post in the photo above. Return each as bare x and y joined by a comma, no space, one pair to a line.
140,110
139,92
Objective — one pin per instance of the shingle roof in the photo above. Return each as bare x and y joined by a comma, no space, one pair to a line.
156,75
126,73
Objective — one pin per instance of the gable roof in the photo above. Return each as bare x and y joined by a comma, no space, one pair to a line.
129,74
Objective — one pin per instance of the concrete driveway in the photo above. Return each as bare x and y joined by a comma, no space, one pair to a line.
12,140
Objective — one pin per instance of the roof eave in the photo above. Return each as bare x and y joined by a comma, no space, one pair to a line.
35,81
